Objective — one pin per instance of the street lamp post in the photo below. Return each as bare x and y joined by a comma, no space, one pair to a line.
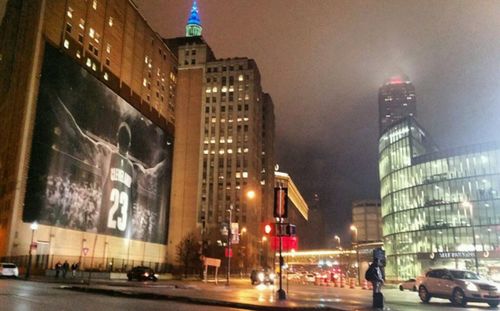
337,238
34,227
468,205
355,230
230,210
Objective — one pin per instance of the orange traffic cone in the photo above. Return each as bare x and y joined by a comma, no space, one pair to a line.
342,282
365,284
352,283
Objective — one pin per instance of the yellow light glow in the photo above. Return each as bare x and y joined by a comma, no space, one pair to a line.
251,194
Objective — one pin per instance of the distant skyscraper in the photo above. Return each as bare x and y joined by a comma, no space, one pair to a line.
396,100
193,26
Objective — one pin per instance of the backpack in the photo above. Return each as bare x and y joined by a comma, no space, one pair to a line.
371,274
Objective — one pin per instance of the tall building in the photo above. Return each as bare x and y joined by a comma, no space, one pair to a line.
87,98
367,220
440,208
396,100
224,151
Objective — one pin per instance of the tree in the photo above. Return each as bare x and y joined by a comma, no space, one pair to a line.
188,253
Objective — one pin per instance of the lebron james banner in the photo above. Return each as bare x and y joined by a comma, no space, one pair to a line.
97,164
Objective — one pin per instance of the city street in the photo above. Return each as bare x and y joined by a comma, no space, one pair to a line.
21,295
17,295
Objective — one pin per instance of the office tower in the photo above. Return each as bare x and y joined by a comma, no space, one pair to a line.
396,100
224,149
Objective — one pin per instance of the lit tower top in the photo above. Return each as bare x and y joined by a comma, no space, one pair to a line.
193,26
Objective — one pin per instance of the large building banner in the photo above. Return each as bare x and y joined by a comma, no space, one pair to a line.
97,164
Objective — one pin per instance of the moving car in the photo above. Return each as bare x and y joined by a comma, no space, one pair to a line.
9,269
141,273
410,284
459,286
262,277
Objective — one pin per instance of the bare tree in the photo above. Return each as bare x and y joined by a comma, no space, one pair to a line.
188,253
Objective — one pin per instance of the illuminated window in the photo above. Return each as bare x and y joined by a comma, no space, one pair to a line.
240,78
145,82
208,90
82,23
88,62
78,54
94,67
66,44
247,97
230,151
69,12
146,59
223,89
214,89
205,151
106,76
238,175
94,4
245,174
110,21
108,48
221,151
91,32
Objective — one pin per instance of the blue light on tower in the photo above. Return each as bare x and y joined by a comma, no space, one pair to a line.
193,26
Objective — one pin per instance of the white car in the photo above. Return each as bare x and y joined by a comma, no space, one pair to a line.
409,285
310,278
8,269
459,286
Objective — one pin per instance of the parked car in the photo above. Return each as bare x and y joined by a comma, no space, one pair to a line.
142,274
9,270
310,278
459,286
262,277
410,284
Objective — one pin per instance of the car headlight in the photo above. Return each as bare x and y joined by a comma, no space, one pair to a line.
146,274
272,276
260,276
471,286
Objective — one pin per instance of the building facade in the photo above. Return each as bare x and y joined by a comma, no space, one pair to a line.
439,208
82,84
366,221
396,100
225,149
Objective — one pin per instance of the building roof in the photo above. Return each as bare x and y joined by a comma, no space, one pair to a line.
194,17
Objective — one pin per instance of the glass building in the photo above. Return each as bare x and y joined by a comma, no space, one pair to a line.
439,208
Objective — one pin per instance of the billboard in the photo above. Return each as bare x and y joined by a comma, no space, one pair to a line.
97,164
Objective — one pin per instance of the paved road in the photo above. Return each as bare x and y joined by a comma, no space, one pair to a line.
17,295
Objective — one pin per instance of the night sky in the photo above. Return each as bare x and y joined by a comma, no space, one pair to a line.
323,61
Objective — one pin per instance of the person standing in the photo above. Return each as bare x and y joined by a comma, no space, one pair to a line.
74,267
58,269
65,268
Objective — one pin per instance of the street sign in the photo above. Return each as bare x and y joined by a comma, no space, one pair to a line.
230,252
85,251
235,236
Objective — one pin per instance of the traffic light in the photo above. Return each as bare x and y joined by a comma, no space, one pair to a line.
269,229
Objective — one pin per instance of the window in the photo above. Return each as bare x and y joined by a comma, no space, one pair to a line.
108,48
107,62
91,32
94,4
110,21
68,27
66,43
82,23
106,76
80,38
69,12
240,78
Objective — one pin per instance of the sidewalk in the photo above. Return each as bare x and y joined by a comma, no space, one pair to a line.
237,295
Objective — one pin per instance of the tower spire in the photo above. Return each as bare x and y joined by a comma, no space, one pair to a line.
193,26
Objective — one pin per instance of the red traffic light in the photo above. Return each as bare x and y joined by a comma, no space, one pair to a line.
268,229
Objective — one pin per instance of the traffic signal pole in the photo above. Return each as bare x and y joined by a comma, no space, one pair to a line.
281,291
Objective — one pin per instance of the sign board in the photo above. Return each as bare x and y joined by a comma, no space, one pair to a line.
235,235
228,252
214,262
280,202
85,251
287,243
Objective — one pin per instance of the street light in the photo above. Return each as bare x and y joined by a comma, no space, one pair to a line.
34,227
230,210
468,205
355,230
337,238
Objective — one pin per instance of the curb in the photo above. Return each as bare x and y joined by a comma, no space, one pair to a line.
191,300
